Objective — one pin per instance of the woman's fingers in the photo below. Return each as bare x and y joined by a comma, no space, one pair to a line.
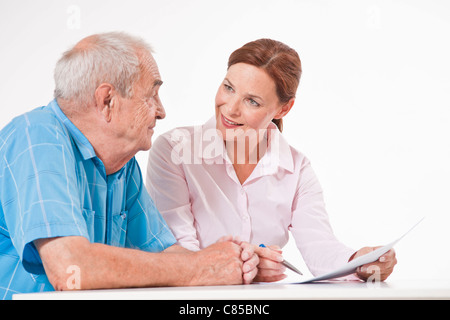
270,268
379,270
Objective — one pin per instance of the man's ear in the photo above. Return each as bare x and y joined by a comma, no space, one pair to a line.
104,95
285,109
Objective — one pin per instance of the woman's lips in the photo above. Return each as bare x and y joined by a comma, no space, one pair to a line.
228,123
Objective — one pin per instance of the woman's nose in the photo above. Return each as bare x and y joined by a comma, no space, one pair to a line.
233,107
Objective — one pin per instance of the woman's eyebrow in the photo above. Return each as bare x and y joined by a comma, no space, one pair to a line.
227,80
249,94
255,96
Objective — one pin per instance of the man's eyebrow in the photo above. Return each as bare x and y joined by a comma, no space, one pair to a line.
157,83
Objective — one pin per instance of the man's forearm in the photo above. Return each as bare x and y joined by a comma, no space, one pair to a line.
103,266
121,268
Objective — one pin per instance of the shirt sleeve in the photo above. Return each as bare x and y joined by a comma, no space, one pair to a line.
39,192
168,187
147,230
311,228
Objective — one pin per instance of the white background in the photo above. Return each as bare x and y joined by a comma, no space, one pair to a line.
372,111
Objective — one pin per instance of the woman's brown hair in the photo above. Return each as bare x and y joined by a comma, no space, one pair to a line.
281,63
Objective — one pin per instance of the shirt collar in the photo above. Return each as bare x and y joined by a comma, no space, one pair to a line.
83,144
212,144
278,153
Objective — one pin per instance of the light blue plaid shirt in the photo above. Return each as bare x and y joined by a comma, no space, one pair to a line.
52,185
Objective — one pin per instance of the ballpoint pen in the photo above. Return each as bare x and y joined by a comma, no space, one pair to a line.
285,263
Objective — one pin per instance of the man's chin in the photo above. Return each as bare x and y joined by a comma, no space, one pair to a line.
147,146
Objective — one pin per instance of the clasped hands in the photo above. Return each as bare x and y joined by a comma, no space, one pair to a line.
264,264
258,264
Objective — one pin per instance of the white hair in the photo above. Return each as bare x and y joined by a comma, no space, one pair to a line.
113,58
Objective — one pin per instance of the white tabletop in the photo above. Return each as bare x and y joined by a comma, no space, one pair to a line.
399,289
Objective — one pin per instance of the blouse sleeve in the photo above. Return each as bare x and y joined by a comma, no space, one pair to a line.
321,250
166,184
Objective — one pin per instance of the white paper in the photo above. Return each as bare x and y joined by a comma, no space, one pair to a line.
351,266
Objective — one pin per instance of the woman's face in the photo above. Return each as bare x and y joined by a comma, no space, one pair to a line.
246,100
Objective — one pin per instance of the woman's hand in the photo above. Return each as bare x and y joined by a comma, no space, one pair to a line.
382,268
270,268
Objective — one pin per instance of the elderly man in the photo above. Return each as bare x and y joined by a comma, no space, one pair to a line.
74,213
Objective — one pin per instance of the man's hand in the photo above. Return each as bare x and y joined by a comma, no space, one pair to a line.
218,264
250,259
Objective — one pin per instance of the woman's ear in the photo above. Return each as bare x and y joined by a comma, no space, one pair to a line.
285,108
104,99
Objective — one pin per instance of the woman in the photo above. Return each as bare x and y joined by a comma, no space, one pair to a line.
237,175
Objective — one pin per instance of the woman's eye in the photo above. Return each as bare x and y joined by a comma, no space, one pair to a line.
253,102
227,87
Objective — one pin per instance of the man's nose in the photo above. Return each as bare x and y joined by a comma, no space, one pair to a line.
160,112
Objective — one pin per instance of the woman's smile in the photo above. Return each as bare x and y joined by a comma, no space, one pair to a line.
229,124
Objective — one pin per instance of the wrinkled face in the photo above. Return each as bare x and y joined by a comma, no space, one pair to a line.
246,100
136,116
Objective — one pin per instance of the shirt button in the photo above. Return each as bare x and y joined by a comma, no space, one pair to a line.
242,191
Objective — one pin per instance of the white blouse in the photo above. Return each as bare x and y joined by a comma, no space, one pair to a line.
193,184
